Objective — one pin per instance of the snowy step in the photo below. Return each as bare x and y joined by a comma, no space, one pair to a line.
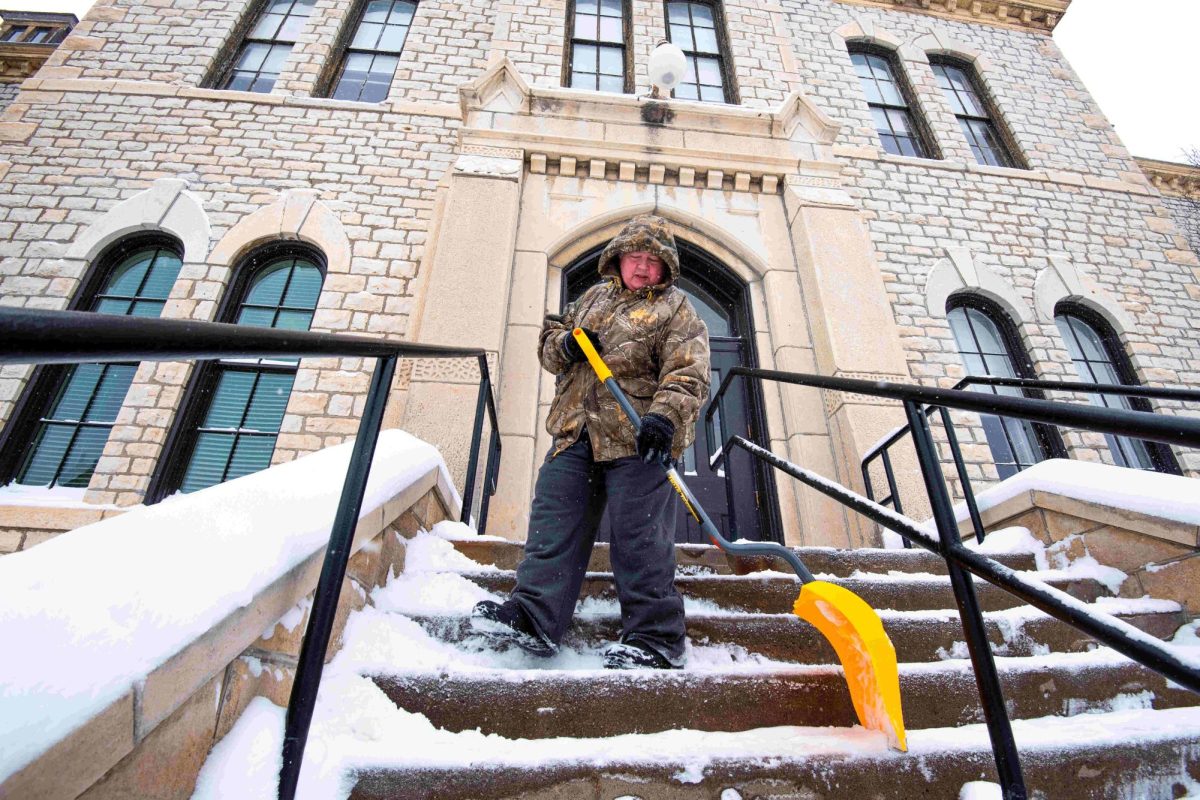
595,703
918,636
1148,755
706,559
775,594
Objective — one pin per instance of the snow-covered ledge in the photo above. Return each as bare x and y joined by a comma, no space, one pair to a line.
129,643
1145,524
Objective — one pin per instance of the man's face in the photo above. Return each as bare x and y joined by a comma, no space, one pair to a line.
640,269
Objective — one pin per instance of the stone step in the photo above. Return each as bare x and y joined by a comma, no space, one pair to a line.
706,559
775,595
1149,755
593,703
921,636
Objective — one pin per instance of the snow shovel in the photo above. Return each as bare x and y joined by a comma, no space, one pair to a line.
851,626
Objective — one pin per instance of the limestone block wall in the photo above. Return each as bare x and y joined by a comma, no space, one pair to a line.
124,103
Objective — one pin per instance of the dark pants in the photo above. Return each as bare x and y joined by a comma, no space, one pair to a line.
568,502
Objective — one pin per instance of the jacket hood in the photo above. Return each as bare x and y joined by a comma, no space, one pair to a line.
645,233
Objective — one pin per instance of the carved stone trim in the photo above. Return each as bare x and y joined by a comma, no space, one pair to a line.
661,174
450,370
1035,15
834,400
488,166
1176,180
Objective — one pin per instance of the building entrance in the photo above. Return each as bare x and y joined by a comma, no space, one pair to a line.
722,302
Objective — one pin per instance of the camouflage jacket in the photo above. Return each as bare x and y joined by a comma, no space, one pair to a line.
657,348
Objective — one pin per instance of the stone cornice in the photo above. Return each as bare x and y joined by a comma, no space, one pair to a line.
1030,15
1176,180
20,61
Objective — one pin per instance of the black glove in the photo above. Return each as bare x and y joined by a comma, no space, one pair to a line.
574,352
654,439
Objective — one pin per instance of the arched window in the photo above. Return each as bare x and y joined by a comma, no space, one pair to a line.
598,53
1098,358
63,423
989,346
975,115
236,406
371,55
900,129
698,29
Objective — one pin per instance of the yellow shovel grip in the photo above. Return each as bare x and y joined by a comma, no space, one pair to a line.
585,344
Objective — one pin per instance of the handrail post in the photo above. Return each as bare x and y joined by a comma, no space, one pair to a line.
324,607
991,695
961,467
489,480
476,436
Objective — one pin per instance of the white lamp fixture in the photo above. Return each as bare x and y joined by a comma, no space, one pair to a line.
667,64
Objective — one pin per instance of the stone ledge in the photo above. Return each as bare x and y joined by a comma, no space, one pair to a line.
59,82
1061,177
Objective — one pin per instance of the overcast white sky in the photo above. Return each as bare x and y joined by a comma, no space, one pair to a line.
1137,59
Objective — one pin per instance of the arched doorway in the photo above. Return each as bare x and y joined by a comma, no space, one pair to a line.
741,501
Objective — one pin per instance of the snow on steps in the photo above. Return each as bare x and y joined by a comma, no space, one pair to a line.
413,708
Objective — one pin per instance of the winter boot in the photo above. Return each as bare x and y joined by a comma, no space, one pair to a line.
508,624
635,655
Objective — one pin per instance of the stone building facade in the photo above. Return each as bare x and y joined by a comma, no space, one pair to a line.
465,202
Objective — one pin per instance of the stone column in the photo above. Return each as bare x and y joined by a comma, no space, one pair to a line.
853,330
465,298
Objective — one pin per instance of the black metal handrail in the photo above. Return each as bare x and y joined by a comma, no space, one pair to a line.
30,336
962,562
882,449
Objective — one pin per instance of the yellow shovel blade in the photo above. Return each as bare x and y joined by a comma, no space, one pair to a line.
866,653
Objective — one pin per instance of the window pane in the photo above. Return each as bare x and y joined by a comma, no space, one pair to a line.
49,448
256,315
111,306
587,7
612,83
377,11
393,38
268,26
252,454
583,80
127,277
610,8
709,70
230,399
587,26
585,58
294,320
402,13
712,94
367,36
687,91
80,385
80,463
146,308
706,40
269,401
208,462
681,35
162,275
110,393
611,61
702,15
267,287
610,29
678,13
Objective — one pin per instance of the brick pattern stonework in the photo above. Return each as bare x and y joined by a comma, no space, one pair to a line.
123,102
8,93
